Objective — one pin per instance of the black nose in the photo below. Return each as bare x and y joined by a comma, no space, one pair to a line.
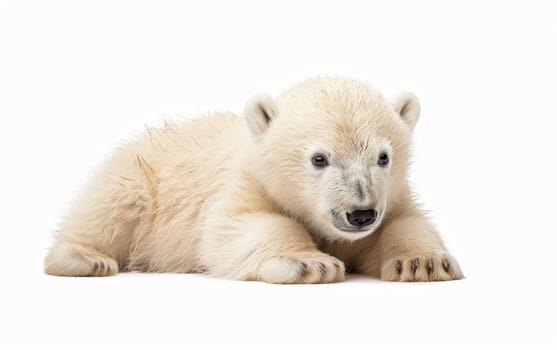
361,218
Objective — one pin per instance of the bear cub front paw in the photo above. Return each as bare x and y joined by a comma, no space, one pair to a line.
303,268
421,268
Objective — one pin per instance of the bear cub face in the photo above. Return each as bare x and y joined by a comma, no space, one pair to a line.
332,153
349,182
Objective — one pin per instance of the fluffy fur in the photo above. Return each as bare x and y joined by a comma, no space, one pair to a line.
213,195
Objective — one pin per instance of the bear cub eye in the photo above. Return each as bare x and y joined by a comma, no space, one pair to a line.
383,159
319,160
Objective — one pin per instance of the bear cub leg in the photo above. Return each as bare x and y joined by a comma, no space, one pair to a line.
267,247
412,250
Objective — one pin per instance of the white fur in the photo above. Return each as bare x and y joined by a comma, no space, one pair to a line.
212,195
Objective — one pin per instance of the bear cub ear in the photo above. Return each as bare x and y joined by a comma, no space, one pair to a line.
407,106
259,112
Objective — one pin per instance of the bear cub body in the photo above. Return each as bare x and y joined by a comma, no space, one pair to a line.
297,190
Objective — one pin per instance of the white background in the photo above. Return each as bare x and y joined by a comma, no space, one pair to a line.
76,78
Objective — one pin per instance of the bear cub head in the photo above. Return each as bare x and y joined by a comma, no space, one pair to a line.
333,153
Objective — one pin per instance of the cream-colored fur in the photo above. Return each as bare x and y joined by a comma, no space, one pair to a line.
217,196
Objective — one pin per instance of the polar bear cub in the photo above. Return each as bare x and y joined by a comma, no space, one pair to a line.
296,190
